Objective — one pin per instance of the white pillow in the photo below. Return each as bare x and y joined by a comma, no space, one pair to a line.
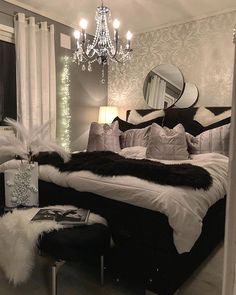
136,118
205,117
135,152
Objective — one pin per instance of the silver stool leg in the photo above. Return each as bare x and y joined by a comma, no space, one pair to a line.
55,267
54,279
57,264
102,270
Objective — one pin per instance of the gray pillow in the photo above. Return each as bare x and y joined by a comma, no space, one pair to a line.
135,137
211,141
167,144
104,137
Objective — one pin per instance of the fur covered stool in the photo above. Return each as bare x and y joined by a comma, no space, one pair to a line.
73,244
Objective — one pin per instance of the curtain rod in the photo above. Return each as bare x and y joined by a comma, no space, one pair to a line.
15,14
11,15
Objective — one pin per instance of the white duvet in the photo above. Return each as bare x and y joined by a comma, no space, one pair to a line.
185,207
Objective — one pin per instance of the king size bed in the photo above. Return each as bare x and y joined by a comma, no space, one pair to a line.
163,227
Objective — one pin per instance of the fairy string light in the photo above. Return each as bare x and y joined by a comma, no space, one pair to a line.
65,97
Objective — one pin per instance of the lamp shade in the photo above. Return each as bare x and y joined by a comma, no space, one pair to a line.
107,114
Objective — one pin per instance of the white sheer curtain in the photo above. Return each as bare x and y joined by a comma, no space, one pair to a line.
36,74
156,92
160,94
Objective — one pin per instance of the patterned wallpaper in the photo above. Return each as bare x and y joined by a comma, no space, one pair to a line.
202,49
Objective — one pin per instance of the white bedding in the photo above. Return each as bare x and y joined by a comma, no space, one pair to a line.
184,206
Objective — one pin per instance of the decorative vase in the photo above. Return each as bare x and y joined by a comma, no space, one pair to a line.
21,186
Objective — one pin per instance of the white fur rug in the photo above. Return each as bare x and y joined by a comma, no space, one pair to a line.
18,241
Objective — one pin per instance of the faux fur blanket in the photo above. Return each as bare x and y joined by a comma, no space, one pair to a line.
18,240
107,163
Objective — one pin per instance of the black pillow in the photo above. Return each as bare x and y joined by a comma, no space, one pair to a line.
123,125
198,130
184,116
218,124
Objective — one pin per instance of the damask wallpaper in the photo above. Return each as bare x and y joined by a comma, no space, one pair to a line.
202,49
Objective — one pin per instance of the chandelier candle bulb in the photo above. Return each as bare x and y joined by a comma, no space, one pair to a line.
116,24
77,35
129,36
83,24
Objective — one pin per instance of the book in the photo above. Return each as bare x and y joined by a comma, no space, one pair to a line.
65,217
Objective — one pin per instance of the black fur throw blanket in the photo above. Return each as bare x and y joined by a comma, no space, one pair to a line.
107,163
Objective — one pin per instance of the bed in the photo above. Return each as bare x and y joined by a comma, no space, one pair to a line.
146,249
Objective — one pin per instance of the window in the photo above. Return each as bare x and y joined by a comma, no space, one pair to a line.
7,81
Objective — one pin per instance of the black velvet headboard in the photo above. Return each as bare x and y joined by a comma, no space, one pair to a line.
173,116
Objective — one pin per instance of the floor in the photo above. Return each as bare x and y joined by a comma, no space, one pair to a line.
83,280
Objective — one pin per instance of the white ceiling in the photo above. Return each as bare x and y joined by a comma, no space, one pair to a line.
135,15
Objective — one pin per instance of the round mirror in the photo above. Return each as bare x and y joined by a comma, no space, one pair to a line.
189,97
163,86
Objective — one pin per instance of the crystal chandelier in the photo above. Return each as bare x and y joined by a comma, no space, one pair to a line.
103,47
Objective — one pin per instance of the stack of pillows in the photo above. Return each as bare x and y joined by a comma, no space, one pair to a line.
206,133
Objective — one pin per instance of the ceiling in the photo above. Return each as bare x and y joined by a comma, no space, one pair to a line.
135,15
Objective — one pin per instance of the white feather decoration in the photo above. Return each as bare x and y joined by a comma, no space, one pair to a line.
29,142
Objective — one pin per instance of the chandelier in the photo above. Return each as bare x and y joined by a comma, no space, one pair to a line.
103,48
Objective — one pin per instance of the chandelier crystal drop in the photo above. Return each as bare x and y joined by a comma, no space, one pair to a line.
103,48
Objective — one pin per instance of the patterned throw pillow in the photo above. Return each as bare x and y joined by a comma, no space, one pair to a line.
135,137
167,144
211,141
104,137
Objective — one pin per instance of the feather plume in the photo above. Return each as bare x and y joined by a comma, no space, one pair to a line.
22,132
29,142
10,141
39,133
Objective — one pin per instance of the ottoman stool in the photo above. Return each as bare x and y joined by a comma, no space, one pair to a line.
71,244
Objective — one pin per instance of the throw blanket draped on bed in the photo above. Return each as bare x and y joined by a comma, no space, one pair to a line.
107,163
